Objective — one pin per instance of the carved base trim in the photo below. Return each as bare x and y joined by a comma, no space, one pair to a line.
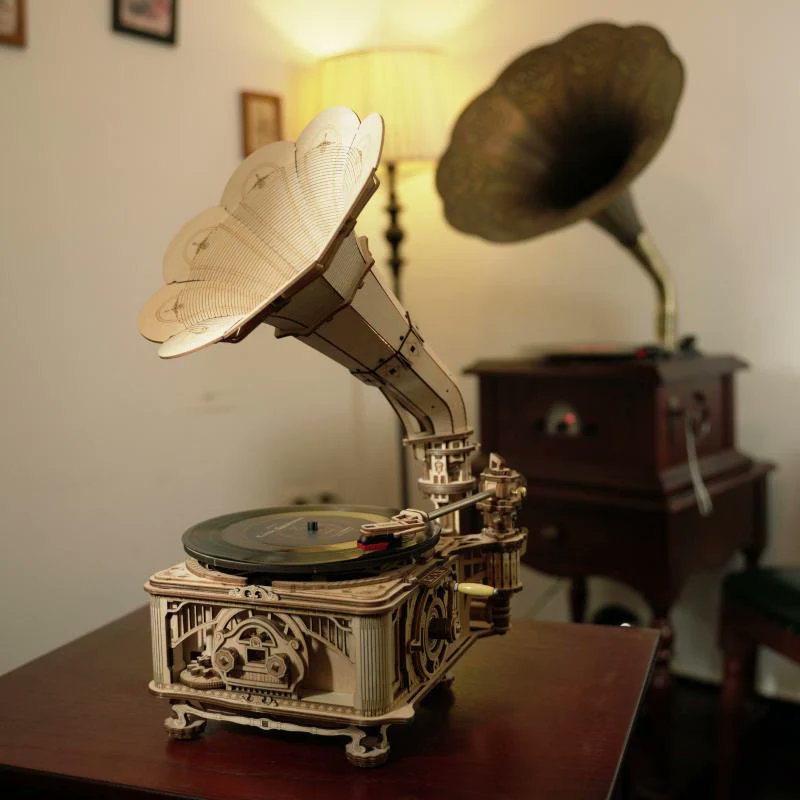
368,747
177,693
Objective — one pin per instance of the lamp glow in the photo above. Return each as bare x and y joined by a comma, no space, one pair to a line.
405,86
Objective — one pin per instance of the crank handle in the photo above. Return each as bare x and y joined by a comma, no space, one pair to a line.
475,589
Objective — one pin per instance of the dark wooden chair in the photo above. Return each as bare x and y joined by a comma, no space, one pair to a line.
759,607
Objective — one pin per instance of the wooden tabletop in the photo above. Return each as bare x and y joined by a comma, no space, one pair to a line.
543,712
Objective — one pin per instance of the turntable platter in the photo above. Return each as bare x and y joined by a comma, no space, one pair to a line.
310,539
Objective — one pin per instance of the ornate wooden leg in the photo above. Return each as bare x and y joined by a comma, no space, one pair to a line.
739,663
662,679
753,551
577,598
369,750
183,724
653,773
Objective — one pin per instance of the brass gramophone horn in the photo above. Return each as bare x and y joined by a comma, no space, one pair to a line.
560,136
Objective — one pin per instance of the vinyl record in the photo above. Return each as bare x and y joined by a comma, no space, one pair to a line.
297,540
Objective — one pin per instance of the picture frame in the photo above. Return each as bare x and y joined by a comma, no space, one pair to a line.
261,120
156,20
12,23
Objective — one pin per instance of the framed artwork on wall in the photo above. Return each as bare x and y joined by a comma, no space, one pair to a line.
12,22
261,120
153,19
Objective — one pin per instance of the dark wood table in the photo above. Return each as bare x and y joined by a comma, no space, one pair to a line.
544,712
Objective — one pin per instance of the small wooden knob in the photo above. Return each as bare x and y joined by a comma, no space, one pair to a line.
475,589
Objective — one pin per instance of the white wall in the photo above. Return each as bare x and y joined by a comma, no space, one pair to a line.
109,143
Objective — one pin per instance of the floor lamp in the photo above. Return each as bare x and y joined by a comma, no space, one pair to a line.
406,87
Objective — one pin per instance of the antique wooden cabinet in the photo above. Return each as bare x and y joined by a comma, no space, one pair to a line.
633,470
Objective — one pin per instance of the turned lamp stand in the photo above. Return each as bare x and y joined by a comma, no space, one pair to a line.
394,236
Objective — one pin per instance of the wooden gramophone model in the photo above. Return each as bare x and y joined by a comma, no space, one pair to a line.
630,452
331,620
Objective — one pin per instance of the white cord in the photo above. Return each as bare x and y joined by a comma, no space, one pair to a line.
704,504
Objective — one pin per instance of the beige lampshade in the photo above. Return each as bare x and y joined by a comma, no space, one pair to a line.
404,86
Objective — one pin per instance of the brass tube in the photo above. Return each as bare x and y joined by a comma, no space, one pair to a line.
647,254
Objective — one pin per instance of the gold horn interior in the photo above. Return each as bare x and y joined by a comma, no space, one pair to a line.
560,136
